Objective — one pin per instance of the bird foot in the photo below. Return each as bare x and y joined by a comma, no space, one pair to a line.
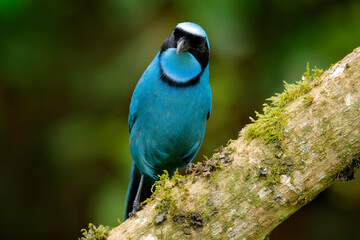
132,214
136,208
189,168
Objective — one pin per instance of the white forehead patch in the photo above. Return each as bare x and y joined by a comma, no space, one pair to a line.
192,28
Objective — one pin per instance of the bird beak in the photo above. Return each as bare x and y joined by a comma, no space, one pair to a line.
182,45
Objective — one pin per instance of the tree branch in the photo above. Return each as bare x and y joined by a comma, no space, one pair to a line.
267,180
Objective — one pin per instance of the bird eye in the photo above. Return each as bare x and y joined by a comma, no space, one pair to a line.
199,41
202,42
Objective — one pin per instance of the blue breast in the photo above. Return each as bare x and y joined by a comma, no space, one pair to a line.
167,123
179,67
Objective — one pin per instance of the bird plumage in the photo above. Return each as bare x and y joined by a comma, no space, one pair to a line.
169,109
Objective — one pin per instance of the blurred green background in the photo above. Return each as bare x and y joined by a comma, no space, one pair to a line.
68,70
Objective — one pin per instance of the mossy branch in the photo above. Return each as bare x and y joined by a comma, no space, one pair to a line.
307,137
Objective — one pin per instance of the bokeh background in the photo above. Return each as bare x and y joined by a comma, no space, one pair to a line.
68,69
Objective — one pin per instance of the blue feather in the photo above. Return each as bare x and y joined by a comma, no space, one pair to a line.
180,67
167,121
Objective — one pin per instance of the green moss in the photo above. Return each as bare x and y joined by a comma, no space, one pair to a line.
253,198
163,189
226,225
167,190
95,233
274,177
343,156
246,194
178,179
308,100
270,124
160,184
329,134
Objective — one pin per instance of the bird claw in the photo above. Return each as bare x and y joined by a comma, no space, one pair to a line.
136,208
132,214
189,168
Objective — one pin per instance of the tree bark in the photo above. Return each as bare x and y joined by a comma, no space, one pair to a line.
265,182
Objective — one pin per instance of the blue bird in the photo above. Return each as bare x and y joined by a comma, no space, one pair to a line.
168,111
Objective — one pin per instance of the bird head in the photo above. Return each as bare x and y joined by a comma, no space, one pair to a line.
189,37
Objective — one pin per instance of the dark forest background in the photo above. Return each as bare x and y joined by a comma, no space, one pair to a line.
67,72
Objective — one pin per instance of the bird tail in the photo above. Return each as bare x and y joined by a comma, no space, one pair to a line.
135,176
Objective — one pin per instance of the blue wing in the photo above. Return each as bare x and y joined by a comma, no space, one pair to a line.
141,92
210,107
